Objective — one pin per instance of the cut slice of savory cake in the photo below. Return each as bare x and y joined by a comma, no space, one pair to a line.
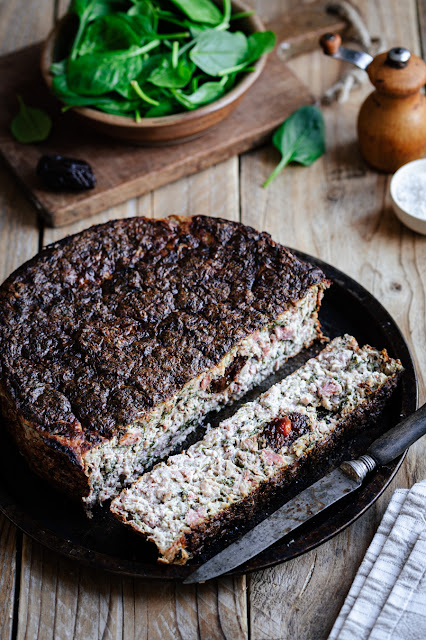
181,503
116,341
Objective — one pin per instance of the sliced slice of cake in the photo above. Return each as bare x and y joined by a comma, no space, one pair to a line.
196,495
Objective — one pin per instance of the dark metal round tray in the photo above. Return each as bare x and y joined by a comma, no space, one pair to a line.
102,542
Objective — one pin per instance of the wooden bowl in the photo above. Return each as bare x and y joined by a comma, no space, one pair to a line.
165,129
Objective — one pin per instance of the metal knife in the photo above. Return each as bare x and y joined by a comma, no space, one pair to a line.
337,484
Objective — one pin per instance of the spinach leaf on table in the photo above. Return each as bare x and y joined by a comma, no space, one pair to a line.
30,124
300,138
218,50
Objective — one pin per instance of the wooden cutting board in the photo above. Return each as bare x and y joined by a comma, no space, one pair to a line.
124,171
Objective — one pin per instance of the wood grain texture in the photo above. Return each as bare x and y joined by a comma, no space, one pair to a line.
19,237
339,210
23,23
299,30
8,538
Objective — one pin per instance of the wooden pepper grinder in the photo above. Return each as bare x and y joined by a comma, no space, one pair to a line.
392,120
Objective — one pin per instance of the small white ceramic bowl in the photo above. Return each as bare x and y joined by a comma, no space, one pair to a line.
408,194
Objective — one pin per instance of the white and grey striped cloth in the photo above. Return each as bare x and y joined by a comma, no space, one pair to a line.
387,600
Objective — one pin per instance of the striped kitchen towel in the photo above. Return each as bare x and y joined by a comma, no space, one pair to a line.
387,600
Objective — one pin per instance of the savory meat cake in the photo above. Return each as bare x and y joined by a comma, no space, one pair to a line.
115,341
200,494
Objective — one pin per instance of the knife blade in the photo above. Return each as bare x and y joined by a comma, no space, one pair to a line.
313,500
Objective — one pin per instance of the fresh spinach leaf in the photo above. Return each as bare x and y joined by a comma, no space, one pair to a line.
218,50
141,24
168,16
144,96
58,68
119,107
165,108
72,99
300,138
206,93
30,124
168,75
242,14
259,43
152,62
97,73
196,29
108,33
227,10
147,12
88,10
91,9
199,10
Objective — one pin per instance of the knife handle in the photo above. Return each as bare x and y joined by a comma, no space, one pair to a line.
395,441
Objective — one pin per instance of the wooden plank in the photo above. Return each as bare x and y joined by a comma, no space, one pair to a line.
62,600
124,171
24,23
298,30
8,552
18,242
339,210
141,207
421,10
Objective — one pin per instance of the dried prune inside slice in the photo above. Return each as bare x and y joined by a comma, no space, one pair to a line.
231,372
284,430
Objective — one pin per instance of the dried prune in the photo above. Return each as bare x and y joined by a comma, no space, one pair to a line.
231,372
284,430
65,174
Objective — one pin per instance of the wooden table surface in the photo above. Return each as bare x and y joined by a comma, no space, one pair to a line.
338,210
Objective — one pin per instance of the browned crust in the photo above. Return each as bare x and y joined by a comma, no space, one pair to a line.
100,327
195,541
46,455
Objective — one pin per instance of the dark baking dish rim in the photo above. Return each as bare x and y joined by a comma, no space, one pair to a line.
314,533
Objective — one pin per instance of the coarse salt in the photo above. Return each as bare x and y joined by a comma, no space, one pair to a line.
410,191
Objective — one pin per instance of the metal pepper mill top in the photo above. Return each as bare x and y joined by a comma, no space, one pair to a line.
392,120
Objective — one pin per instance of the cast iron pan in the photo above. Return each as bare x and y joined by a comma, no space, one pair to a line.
61,525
